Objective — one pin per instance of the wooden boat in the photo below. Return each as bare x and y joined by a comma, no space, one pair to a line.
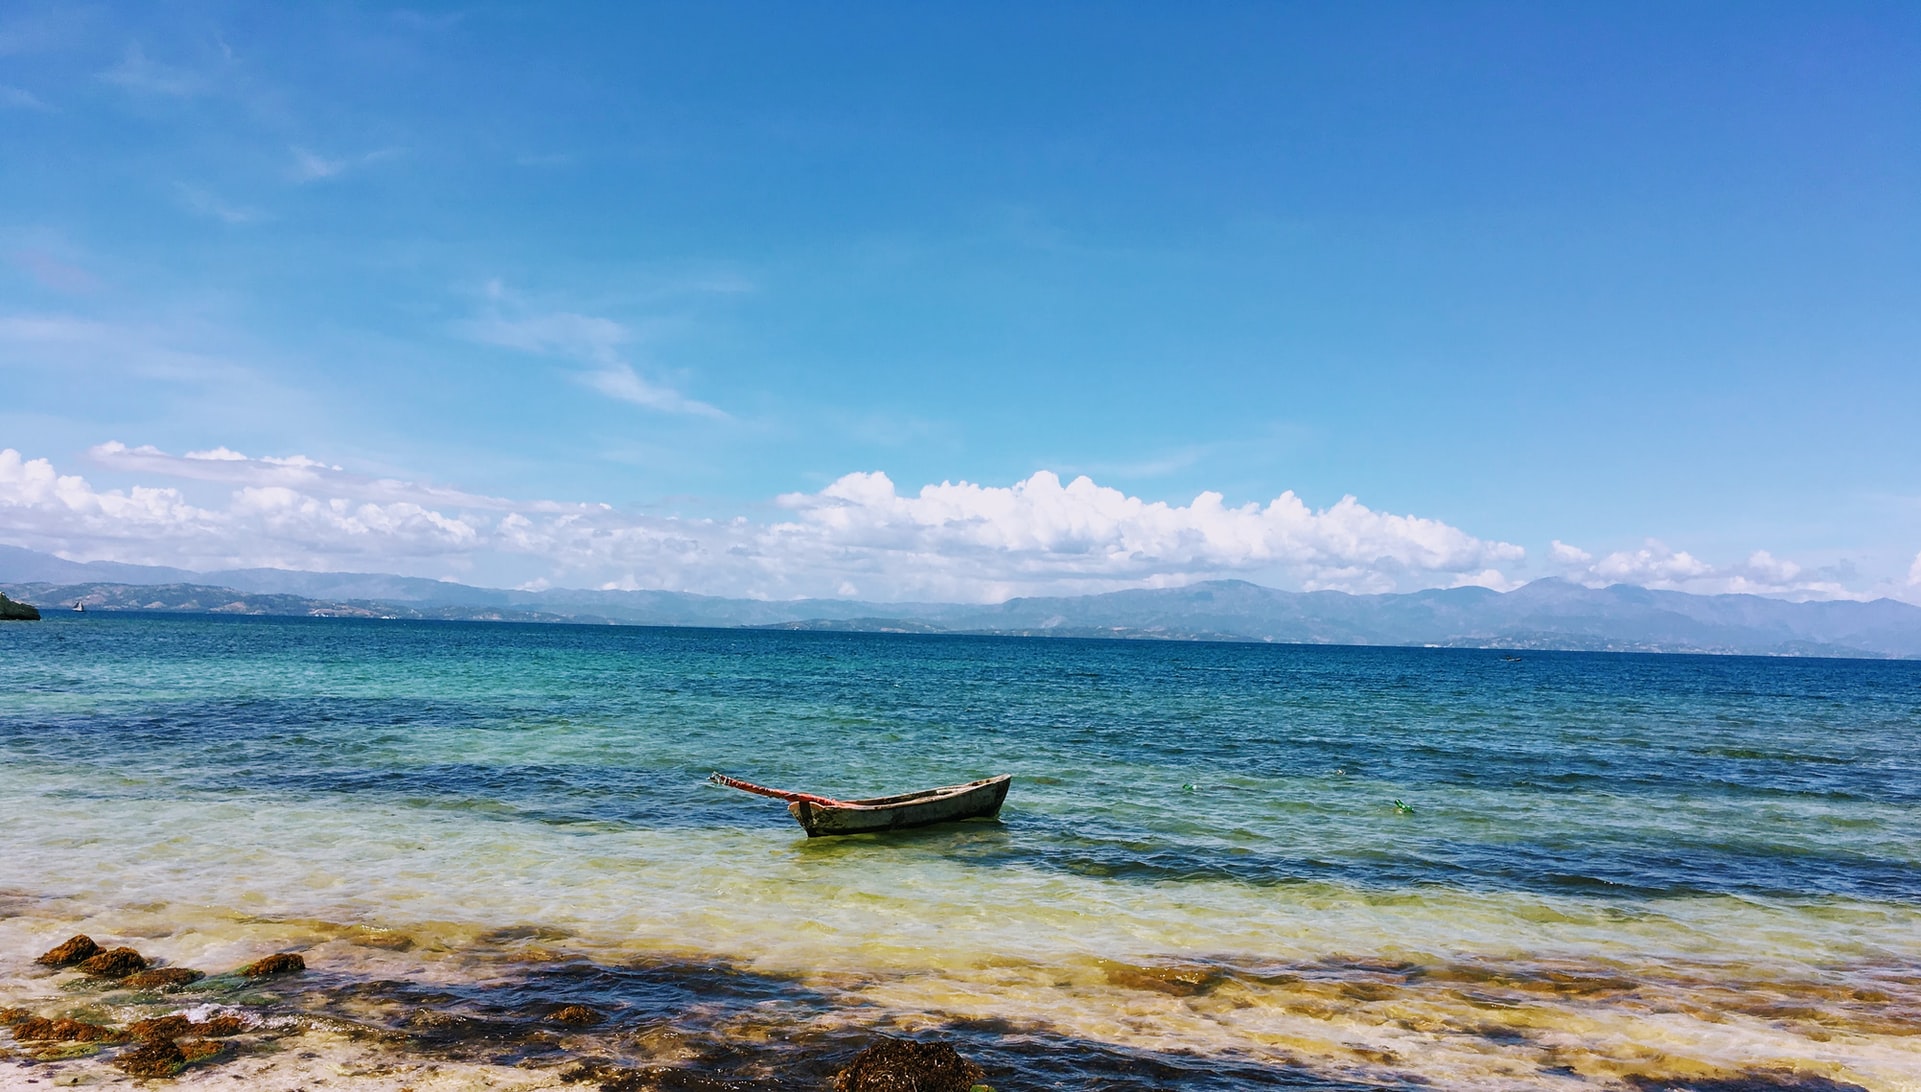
820,816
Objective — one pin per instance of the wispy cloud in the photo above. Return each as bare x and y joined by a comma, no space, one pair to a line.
222,464
588,339
202,202
622,382
54,273
309,166
140,74
17,98
70,344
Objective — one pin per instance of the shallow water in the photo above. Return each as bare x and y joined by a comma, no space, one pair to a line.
1617,871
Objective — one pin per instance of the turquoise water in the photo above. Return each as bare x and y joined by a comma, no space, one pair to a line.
1608,869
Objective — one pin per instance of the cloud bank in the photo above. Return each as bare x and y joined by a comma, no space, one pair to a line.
1656,565
858,536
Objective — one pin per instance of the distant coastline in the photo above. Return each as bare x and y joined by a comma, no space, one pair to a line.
1547,615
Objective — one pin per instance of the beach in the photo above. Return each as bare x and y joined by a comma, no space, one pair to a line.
1220,866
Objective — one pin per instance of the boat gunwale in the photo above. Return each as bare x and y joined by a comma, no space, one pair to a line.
924,796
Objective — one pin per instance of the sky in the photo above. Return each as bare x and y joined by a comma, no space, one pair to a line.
967,301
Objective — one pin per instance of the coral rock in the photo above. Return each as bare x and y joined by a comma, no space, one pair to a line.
73,951
284,963
574,1014
198,1050
154,1059
161,978
118,963
898,1065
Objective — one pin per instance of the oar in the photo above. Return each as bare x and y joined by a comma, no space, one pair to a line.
778,794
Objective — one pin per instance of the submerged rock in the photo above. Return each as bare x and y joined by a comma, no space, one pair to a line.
221,1026
179,1026
62,1031
284,963
74,950
118,963
158,1058
575,1014
161,978
900,1065
160,1027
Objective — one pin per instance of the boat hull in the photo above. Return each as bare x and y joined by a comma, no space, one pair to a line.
975,800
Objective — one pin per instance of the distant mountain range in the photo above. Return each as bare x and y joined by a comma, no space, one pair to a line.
1547,614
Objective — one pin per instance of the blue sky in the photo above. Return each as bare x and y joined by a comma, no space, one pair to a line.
670,285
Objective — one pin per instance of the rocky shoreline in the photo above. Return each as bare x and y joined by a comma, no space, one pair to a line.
12,610
122,1011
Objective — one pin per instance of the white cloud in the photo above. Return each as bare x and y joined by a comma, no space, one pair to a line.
1564,554
1914,572
1491,579
1653,565
950,541
588,339
1656,565
950,538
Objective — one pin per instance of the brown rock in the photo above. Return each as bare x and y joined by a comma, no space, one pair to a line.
575,1014
198,1050
161,978
62,1031
155,1059
118,963
284,963
899,1065
221,1026
74,950
162,1027
10,1017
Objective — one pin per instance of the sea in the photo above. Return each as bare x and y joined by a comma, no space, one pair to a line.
1221,866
